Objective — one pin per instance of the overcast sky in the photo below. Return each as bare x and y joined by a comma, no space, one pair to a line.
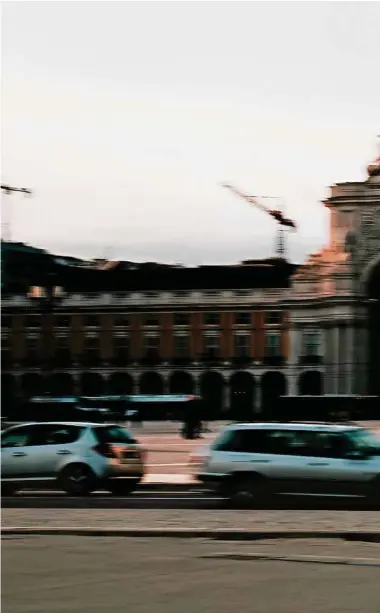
124,118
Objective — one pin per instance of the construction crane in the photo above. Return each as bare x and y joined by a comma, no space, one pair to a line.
8,190
276,214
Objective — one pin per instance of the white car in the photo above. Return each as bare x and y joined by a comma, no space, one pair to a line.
76,457
252,461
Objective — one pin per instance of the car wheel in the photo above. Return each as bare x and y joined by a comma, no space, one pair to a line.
247,491
373,496
77,480
8,489
122,487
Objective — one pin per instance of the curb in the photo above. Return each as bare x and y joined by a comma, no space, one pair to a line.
223,534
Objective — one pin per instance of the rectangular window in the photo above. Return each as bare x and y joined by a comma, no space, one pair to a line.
211,319
151,343
243,319
181,346
311,343
6,322
273,318
273,344
242,346
121,347
121,321
181,319
211,345
91,321
33,321
151,320
63,321
32,347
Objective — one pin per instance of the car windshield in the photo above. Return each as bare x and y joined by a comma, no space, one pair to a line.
364,439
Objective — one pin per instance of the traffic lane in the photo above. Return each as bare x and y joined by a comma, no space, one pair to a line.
90,575
170,498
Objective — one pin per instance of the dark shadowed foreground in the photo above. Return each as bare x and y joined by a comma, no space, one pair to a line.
96,575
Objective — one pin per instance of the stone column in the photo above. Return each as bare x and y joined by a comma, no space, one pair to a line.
350,360
295,337
328,358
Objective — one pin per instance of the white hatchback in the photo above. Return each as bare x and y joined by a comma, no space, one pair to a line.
78,457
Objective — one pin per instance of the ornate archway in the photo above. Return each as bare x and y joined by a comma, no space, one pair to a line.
181,382
32,384
61,384
273,385
151,383
242,396
212,389
120,383
92,384
373,295
310,383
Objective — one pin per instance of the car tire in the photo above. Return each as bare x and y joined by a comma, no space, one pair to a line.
373,497
8,489
77,480
122,487
247,491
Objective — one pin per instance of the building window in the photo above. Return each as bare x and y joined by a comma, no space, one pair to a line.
151,320
181,319
120,321
211,345
33,321
92,349
6,322
32,348
211,319
181,345
151,345
243,319
311,341
242,293
91,321
273,318
273,344
121,348
63,321
62,350
242,346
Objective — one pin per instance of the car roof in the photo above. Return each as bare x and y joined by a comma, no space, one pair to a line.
320,426
81,424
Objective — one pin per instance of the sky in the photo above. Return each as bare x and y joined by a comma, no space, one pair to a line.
124,118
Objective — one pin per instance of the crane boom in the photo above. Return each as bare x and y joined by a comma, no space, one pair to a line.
276,214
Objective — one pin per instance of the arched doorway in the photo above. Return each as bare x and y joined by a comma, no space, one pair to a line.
273,385
212,389
242,388
32,384
92,384
151,383
310,383
373,293
61,384
120,383
181,383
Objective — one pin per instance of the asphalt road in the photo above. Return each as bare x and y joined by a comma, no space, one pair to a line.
95,575
170,498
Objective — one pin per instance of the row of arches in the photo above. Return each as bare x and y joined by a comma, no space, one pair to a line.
240,395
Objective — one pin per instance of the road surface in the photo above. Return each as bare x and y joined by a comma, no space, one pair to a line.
95,575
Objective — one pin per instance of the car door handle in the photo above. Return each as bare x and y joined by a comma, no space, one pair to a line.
19,454
63,452
318,464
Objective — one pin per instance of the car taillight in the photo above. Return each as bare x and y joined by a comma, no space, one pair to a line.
105,450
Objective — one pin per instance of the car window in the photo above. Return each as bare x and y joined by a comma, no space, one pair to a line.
46,434
19,437
114,434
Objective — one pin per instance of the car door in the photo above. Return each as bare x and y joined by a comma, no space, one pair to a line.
50,444
15,452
